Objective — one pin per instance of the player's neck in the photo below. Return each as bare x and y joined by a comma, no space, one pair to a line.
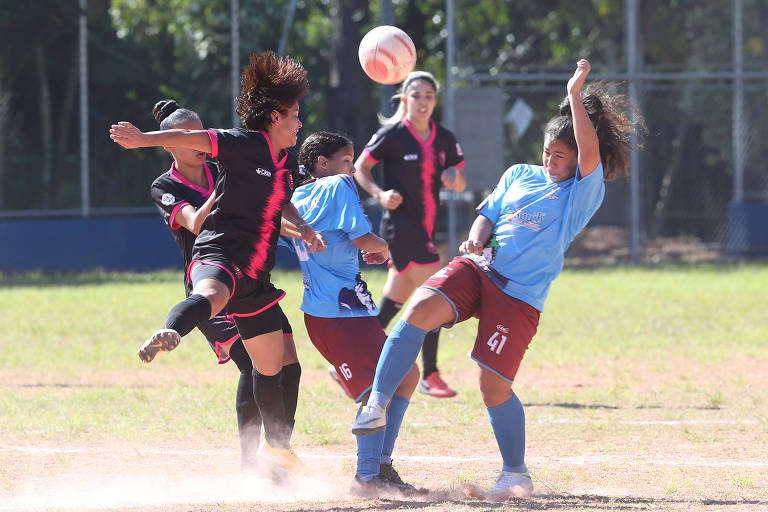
194,173
421,127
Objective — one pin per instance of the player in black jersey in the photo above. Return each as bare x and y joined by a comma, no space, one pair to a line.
418,155
184,195
235,250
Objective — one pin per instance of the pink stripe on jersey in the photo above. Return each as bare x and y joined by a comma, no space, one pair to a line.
428,175
175,174
367,154
214,143
172,218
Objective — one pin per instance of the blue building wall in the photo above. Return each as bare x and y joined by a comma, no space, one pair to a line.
135,242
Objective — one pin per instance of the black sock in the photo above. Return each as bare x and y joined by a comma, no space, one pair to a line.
291,375
429,354
269,396
187,314
248,420
387,311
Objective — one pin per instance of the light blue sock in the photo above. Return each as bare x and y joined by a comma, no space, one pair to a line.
395,413
508,422
398,355
369,454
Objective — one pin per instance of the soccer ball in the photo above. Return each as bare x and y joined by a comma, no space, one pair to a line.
387,54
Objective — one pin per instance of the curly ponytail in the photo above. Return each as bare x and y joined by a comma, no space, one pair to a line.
615,120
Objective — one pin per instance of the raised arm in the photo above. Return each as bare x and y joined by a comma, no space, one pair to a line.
389,199
583,131
292,223
130,137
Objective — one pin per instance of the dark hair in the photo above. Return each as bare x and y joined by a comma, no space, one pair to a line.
270,82
170,114
615,120
321,144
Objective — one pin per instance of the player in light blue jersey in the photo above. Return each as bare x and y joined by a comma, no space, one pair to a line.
515,249
339,312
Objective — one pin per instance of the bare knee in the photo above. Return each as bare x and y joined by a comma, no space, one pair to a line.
216,292
494,389
409,383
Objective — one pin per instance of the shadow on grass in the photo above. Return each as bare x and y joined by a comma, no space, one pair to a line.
94,277
573,405
555,502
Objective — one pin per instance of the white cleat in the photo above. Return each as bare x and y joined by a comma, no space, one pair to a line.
163,340
371,419
511,485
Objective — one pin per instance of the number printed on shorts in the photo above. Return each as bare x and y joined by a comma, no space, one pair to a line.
345,371
496,342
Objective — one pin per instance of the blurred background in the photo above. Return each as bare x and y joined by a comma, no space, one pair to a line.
70,199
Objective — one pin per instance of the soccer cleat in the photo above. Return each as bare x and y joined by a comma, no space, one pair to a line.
279,458
388,473
163,340
334,375
370,419
511,485
433,385
378,486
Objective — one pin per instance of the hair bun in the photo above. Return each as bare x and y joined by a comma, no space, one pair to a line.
164,108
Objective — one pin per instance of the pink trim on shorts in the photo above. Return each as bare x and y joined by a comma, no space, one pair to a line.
201,262
461,164
214,143
262,309
398,272
224,344
367,154
172,218
206,192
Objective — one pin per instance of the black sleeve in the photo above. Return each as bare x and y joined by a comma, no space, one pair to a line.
454,157
378,147
169,199
237,144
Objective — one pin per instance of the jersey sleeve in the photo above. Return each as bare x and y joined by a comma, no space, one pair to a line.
377,148
491,206
340,209
236,143
454,156
168,200
586,198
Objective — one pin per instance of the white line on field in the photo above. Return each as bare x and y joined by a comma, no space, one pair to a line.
579,460
654,422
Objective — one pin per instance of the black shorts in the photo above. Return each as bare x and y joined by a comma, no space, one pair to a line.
253,304
408,245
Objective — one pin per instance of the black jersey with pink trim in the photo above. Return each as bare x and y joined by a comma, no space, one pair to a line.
171,192
412,166
252,188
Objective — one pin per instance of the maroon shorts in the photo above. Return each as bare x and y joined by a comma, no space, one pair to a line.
352,345
507,325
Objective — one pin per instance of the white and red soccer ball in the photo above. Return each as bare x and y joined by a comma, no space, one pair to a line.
387,54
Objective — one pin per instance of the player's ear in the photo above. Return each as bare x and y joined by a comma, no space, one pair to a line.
274,116
322,162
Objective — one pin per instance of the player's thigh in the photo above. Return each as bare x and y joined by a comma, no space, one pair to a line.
398,286
429,309
266,351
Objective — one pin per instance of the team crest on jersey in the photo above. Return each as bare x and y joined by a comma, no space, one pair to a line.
441,156
290,180
167,199
431,248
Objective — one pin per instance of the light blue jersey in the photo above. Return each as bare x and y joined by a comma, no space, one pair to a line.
333,287
535,221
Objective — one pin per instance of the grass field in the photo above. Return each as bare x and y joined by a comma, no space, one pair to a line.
645,389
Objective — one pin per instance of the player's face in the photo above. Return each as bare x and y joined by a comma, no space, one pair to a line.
341,162
185,157
559,160
420,100
284,129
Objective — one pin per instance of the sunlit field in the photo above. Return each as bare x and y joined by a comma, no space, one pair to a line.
645,389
